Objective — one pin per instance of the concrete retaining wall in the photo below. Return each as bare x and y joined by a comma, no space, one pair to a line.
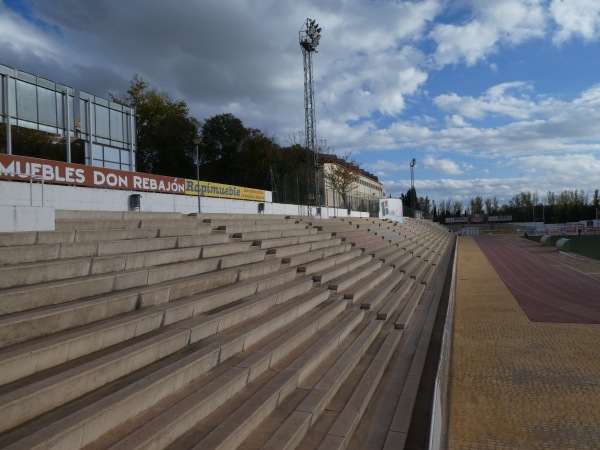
26,218
52,197
438,438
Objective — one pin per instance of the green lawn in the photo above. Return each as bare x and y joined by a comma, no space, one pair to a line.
583,245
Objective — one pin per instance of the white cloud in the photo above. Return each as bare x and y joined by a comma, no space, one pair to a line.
576,18
445,166
566,169
492,23
498,99
23,37
455,121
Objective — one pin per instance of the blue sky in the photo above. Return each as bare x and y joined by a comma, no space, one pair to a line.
490,97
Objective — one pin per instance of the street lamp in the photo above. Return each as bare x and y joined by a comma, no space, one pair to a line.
196,145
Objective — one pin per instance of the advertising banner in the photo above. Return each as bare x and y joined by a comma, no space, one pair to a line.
507,218
391,209
225,191
57,172
456,219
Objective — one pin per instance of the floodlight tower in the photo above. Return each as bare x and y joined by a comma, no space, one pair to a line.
310,35
412,185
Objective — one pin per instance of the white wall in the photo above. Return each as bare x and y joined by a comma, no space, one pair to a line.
26,218
24,194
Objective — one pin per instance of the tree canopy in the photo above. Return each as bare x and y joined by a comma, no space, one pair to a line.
164,130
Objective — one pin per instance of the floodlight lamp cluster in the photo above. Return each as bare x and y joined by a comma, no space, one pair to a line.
310,35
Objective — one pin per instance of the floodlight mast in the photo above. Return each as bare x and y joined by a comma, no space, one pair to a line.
310,35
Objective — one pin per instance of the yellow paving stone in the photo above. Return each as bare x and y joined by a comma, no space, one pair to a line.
516,384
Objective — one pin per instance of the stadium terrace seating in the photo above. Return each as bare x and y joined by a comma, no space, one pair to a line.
132,330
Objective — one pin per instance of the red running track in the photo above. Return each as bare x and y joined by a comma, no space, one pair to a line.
546,290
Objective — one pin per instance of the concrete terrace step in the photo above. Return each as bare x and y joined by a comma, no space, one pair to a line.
261,340
123,256
139,396
195,305
308,411
344,426
251,219
285,228
62,214
24,274
167,426
18,327
154,286
274,393
315,255
343,282
28,402
287,251
49,252
128,222
409,308
400,424
328,262
358,291
372,244
390,235
48,352
302,235
395,299
277,242
138,233
379,294
342,268
35,356
386,252
399,259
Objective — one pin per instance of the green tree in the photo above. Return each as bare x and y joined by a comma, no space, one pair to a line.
457,208
476,205
165,132
223,138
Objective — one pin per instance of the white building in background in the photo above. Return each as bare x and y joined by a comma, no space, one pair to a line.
362,196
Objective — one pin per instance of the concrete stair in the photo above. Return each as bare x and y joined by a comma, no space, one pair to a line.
138,330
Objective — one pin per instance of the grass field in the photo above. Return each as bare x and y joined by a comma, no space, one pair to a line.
582,245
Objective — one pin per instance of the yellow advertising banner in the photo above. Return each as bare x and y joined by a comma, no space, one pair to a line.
223,191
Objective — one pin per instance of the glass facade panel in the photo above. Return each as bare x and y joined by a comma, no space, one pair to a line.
12,97
47,106
112,165
111,154
2,96
27,106
60,110
116,125
97,152
102,121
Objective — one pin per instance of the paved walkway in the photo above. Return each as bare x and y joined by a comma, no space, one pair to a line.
517,384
